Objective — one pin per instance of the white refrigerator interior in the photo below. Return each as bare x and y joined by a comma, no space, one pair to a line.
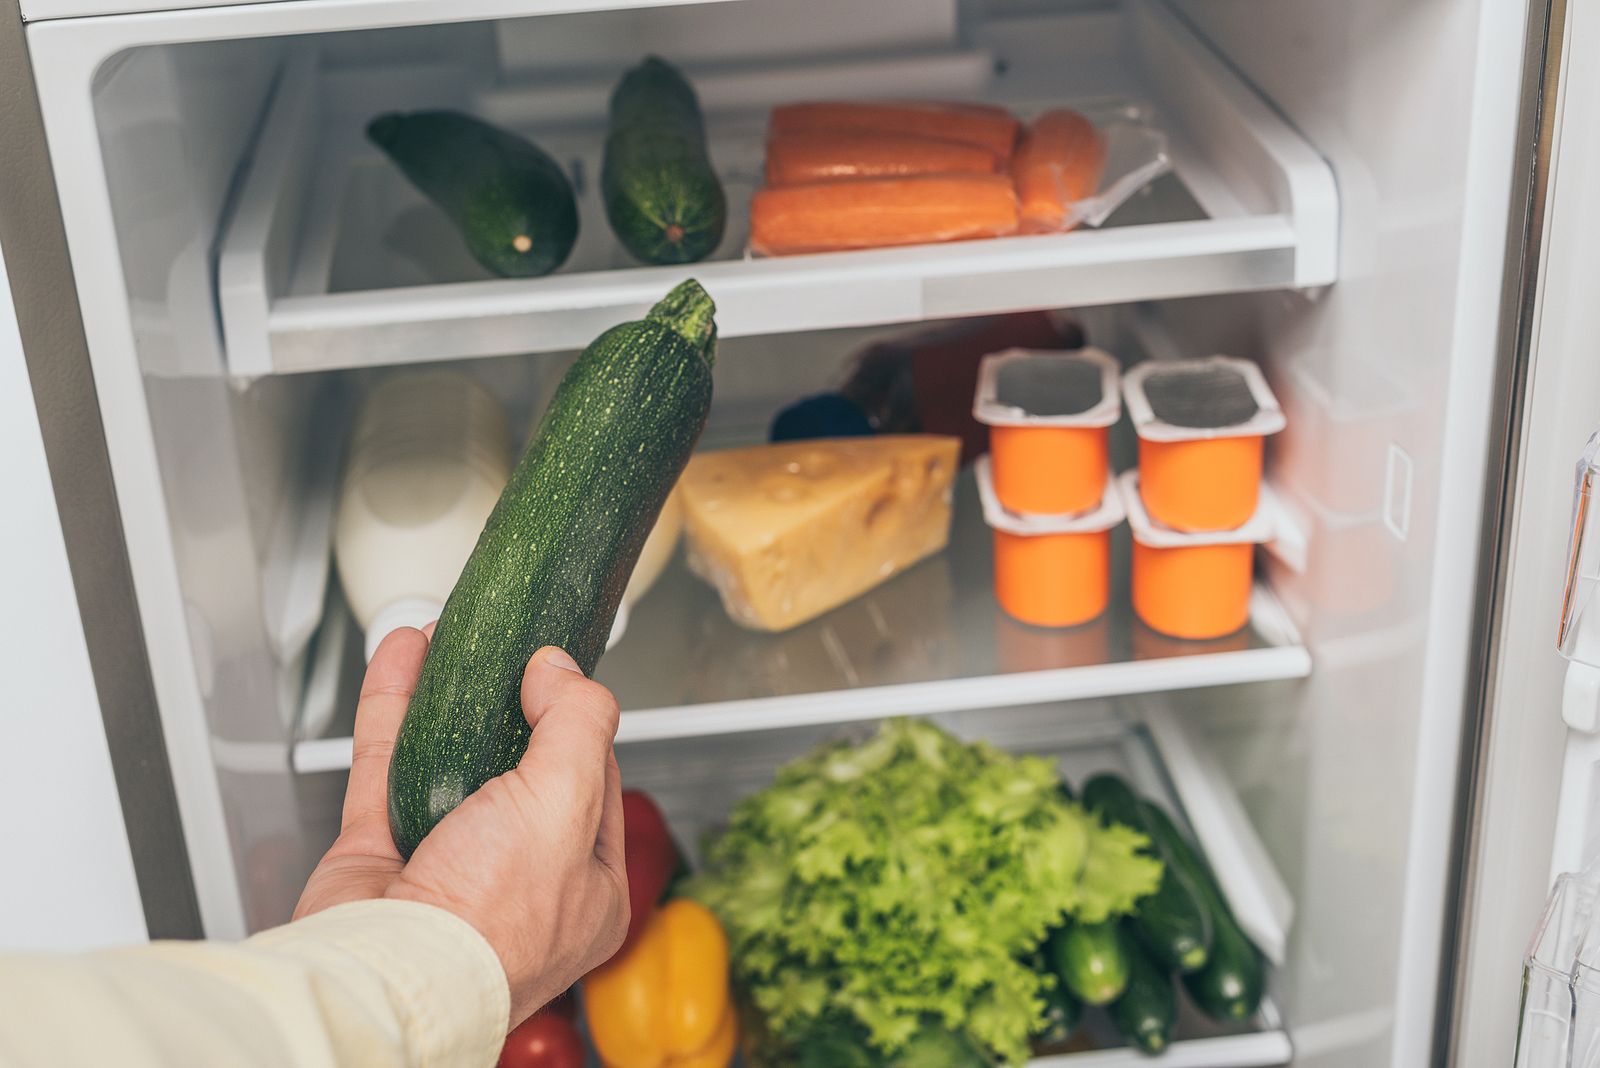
1336,211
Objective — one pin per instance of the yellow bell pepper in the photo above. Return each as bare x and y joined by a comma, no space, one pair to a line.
664,1003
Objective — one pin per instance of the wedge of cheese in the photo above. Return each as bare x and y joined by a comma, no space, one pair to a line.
786,532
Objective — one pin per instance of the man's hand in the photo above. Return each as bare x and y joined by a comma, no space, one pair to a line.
533,860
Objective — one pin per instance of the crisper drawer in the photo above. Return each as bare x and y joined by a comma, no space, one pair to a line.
1144,741
332,260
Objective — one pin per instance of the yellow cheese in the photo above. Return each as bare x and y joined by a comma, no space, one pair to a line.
786,532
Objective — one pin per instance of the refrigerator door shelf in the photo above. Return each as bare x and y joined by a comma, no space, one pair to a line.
333,261
1577,832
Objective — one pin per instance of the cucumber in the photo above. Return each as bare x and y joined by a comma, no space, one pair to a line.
1148,1009
512,203
1062,1010
1091,959
661,193
1230,985
556,553
1172,923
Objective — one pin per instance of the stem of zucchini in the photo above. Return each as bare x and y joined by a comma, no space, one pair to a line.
688,310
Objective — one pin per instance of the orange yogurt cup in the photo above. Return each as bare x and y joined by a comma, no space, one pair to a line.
1202,427
1050,571
1049,416
1191,585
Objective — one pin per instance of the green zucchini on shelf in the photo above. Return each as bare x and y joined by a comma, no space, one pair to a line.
1231,984
1173,923
662,196
511,201
1062,1009
1090,959
556,552
1148,1008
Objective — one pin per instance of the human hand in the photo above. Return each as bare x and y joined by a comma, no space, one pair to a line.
533,860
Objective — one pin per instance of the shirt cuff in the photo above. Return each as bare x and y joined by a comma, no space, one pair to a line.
444,980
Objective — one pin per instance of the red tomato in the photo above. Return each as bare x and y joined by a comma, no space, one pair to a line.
651,854
543,1040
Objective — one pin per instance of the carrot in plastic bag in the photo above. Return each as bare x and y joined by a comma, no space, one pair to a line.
1057,164
829,155
877,212
991,127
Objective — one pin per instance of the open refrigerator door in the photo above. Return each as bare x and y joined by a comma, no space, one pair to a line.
1560,1013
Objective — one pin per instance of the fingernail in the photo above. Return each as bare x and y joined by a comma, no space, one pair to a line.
559,659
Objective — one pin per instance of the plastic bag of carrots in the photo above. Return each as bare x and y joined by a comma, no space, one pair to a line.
846,175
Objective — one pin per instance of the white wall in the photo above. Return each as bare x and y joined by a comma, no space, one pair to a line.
67,879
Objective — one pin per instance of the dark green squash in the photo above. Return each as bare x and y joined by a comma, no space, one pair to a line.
1147,1011
512,203
1173,923
1230,985
661,193
1090,959
556,553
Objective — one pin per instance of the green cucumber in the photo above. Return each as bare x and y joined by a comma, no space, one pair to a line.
1148,1009
512,203
1062,1010
556,553
1172,923
1091,959
1230,985
661,193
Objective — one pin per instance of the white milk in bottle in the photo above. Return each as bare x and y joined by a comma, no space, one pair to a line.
430,455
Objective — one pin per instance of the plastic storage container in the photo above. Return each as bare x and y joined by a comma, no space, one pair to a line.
430,454
1051,571
1191,585
1049,416
1202,426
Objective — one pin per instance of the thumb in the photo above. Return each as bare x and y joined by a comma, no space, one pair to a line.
574,721
549,669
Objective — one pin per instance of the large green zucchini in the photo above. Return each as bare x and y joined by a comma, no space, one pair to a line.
1233,980
1147,1011
661,193
556,553
1173,923
511,201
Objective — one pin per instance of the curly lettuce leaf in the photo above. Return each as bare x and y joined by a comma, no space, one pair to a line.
902,880
1115,874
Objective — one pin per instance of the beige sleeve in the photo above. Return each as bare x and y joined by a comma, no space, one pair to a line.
376,983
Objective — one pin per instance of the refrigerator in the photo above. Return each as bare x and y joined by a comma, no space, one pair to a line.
1383,206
